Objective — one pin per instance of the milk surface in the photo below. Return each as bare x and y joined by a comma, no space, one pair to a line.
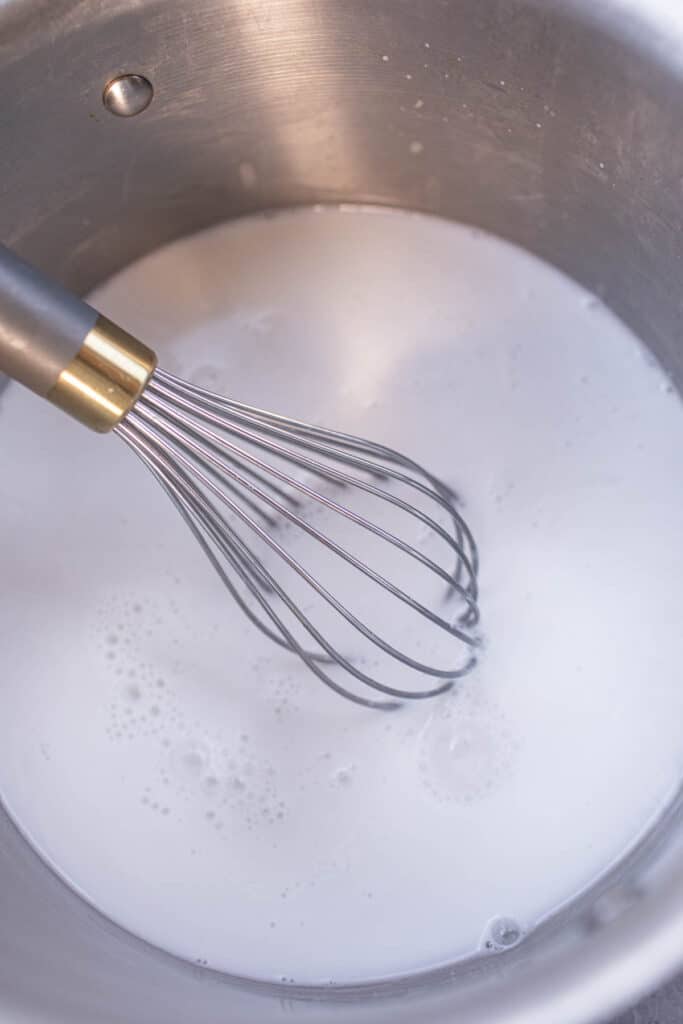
199,786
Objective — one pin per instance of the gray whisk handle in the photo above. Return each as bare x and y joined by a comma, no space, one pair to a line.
42,325
64,350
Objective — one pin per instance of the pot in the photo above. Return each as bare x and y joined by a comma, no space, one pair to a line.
555,124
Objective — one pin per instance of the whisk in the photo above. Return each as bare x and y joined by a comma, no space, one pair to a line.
381,535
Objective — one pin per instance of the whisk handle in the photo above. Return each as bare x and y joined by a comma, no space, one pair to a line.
64,350
42,325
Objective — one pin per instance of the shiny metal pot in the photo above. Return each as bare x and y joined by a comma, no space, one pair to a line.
557,124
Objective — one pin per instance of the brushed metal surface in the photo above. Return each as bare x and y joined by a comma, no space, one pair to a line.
42,326
554,123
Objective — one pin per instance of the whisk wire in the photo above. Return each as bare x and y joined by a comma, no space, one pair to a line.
191,510
294,564
188,438
468,593
334,442
193,507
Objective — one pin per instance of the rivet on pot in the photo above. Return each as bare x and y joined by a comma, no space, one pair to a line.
128,95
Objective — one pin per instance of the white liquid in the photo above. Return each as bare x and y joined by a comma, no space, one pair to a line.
200,787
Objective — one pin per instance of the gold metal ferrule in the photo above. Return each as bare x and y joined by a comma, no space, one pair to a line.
106,378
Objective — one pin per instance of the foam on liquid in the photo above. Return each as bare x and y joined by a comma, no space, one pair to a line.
197,785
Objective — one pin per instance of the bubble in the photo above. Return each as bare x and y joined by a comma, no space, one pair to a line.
502,933
466,749
192,757
344,776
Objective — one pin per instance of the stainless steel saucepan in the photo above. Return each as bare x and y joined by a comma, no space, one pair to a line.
555,123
